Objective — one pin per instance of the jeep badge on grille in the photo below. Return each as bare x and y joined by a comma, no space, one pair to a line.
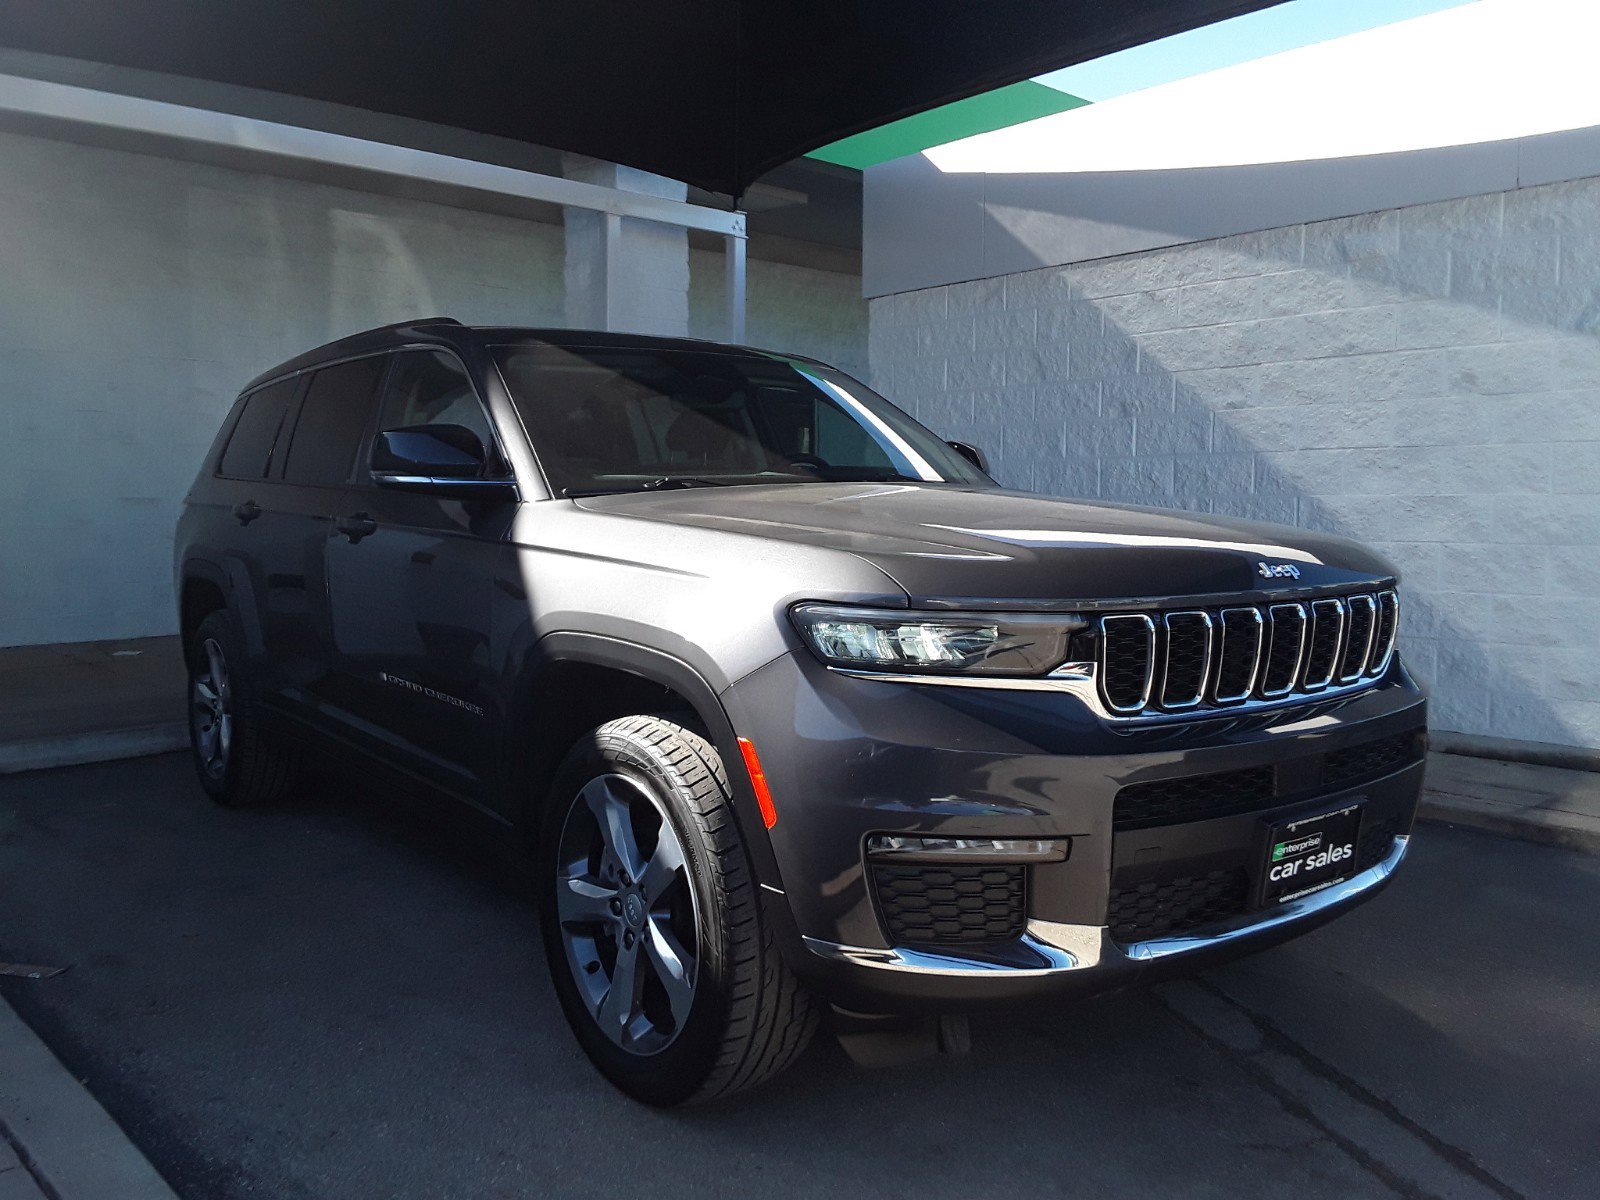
1277,570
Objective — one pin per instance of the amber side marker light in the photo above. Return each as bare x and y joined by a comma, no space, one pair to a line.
758,781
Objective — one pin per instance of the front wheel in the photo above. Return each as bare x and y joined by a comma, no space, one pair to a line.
656,942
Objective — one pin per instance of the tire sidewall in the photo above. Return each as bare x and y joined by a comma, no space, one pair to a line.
674,1074
218,627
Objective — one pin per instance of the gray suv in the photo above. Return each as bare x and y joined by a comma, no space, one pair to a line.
796,710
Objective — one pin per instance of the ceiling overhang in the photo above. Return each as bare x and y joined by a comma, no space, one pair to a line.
711,92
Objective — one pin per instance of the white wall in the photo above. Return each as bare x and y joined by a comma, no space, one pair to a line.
137,294
646,290
1426,379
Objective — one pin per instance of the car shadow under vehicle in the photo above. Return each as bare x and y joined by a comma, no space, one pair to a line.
344,996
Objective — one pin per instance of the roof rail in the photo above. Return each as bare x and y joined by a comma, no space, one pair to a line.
411,324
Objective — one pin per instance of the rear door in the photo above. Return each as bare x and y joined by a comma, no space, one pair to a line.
411,586
316,459
275,538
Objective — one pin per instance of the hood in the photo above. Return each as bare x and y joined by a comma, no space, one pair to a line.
973,547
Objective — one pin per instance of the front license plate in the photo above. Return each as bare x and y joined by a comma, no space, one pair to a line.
1310,854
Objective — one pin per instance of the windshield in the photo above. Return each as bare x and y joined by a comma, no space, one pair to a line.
615,419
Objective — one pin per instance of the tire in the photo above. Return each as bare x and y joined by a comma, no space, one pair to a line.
735,1016
238,765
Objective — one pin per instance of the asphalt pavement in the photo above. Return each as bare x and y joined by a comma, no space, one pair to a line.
340,998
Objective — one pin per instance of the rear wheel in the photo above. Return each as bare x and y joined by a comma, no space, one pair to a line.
653,930
238,765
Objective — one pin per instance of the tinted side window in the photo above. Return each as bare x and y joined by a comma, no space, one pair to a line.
429,387
250,447
332,420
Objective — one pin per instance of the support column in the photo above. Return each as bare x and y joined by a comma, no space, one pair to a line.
734,247
624,273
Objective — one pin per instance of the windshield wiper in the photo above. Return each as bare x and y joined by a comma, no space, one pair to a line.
680,481
660,483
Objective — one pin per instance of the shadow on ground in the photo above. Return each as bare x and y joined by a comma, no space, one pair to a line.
338,998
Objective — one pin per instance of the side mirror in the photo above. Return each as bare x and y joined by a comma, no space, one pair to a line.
972,454
443,459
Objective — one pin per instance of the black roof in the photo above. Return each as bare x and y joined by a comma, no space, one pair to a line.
449,331
712,92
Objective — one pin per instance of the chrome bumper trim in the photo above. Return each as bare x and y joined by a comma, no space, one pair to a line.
1045,948
1293,911
1048,948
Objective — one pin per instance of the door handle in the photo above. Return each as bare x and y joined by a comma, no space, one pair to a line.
246,512
356,527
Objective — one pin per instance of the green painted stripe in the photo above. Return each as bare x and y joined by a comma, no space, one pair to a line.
978,114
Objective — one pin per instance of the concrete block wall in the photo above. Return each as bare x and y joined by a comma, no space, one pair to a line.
139,293
788,308
1426,379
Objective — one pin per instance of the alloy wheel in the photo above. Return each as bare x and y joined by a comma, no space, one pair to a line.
627,914
211,710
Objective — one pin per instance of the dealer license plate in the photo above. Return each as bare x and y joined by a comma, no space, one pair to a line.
1310,854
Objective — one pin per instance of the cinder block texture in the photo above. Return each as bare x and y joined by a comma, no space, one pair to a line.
139,293
1425,379
799,310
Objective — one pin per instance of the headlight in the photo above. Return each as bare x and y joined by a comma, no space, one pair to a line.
875,639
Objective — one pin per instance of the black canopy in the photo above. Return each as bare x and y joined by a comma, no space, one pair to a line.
711,92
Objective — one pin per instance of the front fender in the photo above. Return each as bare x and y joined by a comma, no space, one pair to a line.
668,671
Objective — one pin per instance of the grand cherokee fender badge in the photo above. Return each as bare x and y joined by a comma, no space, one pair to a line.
442,697
1277,570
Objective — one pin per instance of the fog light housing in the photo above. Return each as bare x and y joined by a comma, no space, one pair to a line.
904,847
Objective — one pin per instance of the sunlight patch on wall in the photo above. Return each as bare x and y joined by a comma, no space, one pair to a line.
1483,72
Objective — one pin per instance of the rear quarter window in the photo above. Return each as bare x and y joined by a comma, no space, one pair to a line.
249,449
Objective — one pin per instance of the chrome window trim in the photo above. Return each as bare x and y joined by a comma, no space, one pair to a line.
1307,684
321,364
1166,660
1149,662
1222,653
1299,610
499,483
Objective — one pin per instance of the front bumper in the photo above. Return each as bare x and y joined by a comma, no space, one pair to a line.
848,758
1083,958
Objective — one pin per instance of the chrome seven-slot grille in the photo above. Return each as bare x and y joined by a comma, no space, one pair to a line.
1193,658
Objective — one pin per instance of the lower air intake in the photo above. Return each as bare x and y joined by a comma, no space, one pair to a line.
957,904
1176,904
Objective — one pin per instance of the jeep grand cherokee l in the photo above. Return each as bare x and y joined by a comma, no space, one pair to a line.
792,704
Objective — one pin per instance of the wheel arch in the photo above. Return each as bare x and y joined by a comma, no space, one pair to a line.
574,681
203,590
207,583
